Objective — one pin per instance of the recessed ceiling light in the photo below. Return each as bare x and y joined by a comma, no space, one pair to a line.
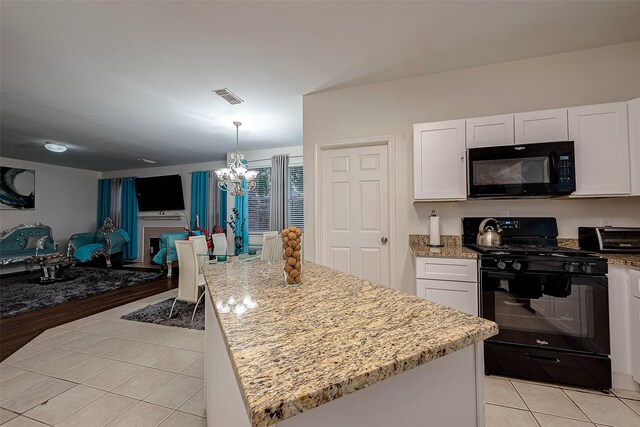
56,148
147,161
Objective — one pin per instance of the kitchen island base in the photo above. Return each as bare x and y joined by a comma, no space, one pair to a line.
448,391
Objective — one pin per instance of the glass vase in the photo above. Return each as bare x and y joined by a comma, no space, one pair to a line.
292,255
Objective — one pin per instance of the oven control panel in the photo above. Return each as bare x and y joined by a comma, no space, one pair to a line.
547,264
509,224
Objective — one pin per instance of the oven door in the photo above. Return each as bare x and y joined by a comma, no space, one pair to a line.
552,311
523,170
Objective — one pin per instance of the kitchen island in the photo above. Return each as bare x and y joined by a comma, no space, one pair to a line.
336,351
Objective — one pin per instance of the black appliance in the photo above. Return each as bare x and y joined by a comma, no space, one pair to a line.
551,305
610,239
160,193
529,170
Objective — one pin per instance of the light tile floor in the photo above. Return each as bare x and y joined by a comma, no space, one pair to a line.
105,371
519,403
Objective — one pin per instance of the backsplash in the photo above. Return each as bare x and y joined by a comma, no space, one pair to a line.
570,213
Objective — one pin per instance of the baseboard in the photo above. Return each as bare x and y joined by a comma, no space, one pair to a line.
624,382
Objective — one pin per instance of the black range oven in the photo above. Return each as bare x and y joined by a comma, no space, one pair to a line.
539,170
551,305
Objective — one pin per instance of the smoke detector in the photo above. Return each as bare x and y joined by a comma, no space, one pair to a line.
228,96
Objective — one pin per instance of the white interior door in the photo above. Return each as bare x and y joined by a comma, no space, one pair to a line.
355,212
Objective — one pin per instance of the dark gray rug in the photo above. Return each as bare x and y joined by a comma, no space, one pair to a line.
159,314
24,293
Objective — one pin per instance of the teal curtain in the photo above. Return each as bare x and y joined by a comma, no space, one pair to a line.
242,206
223,209
104,200
200,198
129,217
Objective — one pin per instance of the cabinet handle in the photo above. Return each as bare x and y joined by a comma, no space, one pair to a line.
462,158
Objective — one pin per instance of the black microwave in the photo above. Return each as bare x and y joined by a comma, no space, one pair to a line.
530,170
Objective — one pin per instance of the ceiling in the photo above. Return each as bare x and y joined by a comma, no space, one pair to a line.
118,81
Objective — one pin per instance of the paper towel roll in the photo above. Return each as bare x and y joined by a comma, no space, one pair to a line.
434,230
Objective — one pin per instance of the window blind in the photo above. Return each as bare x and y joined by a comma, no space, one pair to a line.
259,202
296,197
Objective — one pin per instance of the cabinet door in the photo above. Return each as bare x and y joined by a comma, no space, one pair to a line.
439,167
602,149
634,144
634,282
459,295
619,306
541,126
634,329
490,131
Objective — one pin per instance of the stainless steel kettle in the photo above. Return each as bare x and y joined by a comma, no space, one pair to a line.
488,236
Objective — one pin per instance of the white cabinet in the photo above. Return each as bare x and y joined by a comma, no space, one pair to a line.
458,290
634,322
541,126
602,149
634,144
439,167
624,326
490,131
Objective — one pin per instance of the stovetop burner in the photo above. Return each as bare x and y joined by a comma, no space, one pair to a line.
539,250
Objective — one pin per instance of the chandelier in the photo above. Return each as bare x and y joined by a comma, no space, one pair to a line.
230,178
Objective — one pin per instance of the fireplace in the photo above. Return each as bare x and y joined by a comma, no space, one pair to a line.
151,239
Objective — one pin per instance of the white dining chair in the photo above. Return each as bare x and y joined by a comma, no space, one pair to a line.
219,244
270,243
190,279
202,251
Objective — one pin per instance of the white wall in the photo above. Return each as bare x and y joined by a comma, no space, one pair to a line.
182,170
66,200
606,74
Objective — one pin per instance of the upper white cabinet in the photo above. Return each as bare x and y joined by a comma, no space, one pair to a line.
634,144
541,126
601,140
490,131
439,167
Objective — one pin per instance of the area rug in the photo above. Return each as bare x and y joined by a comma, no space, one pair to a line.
159,314
24,293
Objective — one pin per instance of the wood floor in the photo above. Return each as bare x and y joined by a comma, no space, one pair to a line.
18,330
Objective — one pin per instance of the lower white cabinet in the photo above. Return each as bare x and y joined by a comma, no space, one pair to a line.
449,281
624,326
633,108
634,322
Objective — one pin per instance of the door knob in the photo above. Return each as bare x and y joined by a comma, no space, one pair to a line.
384,240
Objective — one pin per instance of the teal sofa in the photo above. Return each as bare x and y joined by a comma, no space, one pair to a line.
20,243
105,242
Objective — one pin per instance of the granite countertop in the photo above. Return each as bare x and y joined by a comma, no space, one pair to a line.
452,248
632,260
299,348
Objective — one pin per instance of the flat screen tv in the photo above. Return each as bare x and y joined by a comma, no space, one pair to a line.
160,193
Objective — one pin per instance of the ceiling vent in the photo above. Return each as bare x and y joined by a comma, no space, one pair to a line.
147,161
228,96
